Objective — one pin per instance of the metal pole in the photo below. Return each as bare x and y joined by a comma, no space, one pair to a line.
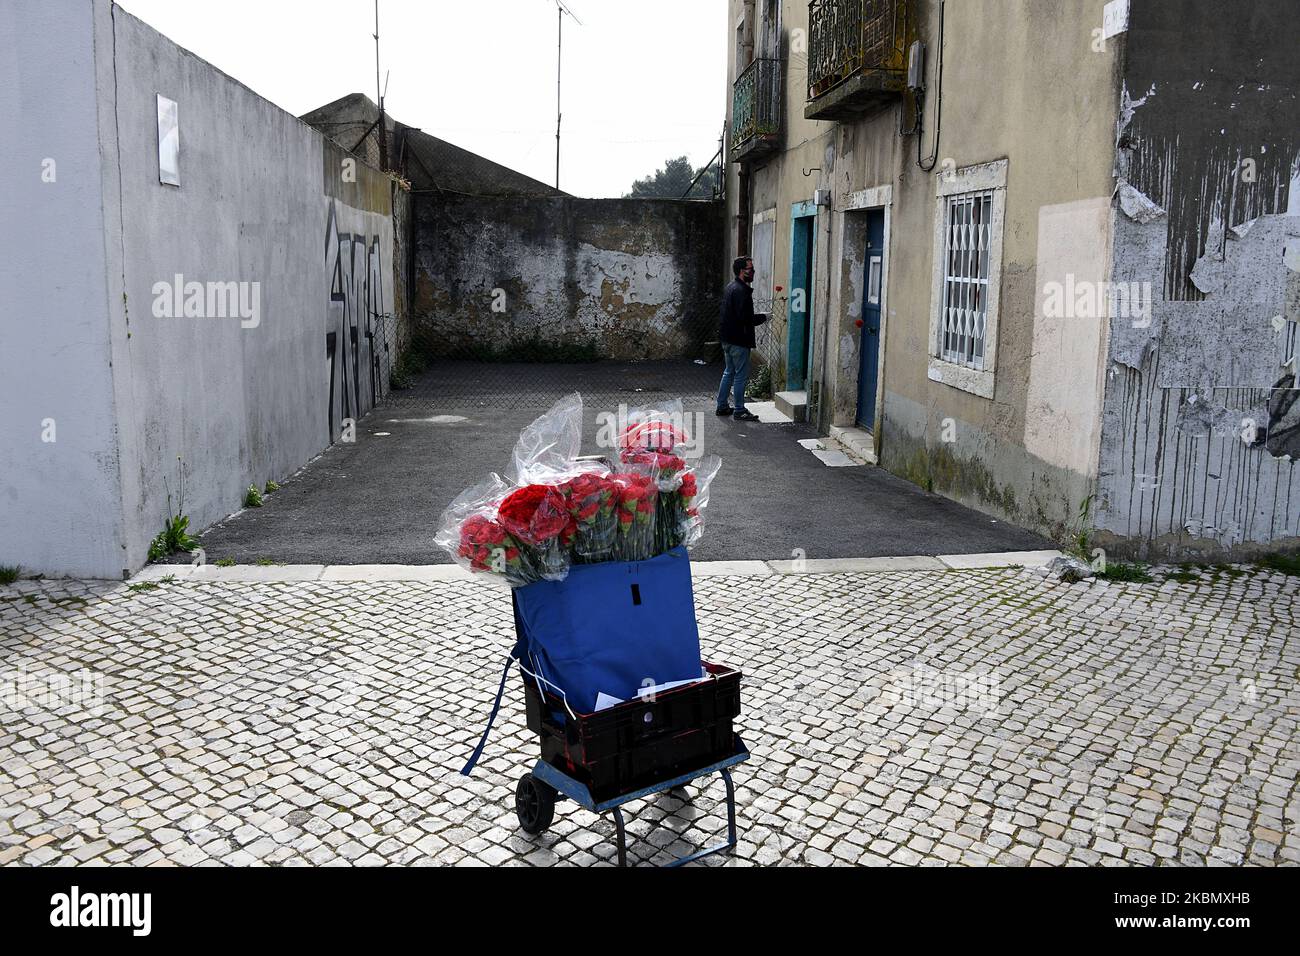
379,100
559,39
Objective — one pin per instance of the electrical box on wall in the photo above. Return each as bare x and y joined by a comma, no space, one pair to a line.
822,197
916,66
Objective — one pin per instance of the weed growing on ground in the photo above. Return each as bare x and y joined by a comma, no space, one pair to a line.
1119,571
1281,563
175,534
760,386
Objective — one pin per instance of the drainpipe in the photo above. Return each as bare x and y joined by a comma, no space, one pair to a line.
823,424
742,214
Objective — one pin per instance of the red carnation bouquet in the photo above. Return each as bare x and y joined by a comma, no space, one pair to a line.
523,534
680,497
593,501
537,516
637,497
555,508
686,505
652,434
487,546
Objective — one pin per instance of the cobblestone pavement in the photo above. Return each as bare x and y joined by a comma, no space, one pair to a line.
911,717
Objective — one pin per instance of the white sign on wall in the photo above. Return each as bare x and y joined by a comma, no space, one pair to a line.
169,142
1114,18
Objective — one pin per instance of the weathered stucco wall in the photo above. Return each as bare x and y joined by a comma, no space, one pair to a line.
619,278
1202,414
230,322
1026,85
1027,453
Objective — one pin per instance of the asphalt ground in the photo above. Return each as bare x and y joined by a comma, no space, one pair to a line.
377,500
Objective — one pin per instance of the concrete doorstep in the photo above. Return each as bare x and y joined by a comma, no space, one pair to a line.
296,573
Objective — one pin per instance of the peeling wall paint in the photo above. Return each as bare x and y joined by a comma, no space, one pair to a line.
1201,422
626,279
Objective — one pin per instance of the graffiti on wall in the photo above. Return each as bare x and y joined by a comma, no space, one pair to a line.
357,331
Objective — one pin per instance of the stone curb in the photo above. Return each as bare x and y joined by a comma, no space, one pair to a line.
293,573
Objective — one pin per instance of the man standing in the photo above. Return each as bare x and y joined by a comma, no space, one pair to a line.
737,334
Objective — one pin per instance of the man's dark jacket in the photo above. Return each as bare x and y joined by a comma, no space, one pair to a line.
738,318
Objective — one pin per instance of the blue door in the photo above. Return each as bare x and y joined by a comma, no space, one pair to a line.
869,345
799,314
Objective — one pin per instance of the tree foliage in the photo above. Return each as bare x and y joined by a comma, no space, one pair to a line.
672,181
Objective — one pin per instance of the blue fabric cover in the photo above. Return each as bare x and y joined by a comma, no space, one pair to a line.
612,627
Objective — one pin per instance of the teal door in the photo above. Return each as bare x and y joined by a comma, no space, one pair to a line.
873,274
799,314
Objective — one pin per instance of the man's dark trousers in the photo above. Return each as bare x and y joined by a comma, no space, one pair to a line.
736,331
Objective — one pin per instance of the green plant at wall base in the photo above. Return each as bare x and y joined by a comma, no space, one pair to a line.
252,497
1083,530
272,486
175,534
1281,563
225,562
1119,571
9,573
173,537
410,365
265,562
760,386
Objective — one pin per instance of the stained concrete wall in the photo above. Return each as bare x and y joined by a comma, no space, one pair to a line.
145,395
1202,414
621,278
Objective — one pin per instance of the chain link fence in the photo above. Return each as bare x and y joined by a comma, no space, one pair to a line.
425,371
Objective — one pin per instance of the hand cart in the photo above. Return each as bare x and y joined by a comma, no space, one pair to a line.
537,793
634,749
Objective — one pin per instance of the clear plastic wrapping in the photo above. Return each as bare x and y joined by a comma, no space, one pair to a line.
469,531
693,497
547,448
554,508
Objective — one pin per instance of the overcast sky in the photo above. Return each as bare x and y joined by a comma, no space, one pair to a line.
644,80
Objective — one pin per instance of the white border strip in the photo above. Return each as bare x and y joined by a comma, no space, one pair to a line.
296,573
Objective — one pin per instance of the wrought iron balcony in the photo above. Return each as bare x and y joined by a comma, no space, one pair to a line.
857,56
756,109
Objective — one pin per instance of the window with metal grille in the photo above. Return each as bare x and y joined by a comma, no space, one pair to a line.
967,239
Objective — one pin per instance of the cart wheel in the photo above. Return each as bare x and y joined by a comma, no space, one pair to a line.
534,804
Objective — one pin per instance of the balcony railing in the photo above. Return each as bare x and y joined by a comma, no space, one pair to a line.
857,55
756,108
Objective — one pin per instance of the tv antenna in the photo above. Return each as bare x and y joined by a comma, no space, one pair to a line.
379,98
561,11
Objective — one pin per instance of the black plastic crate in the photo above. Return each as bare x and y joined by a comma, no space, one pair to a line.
639,743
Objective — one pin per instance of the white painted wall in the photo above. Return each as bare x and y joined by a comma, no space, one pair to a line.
1063,410
239,405
60,501
130,390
